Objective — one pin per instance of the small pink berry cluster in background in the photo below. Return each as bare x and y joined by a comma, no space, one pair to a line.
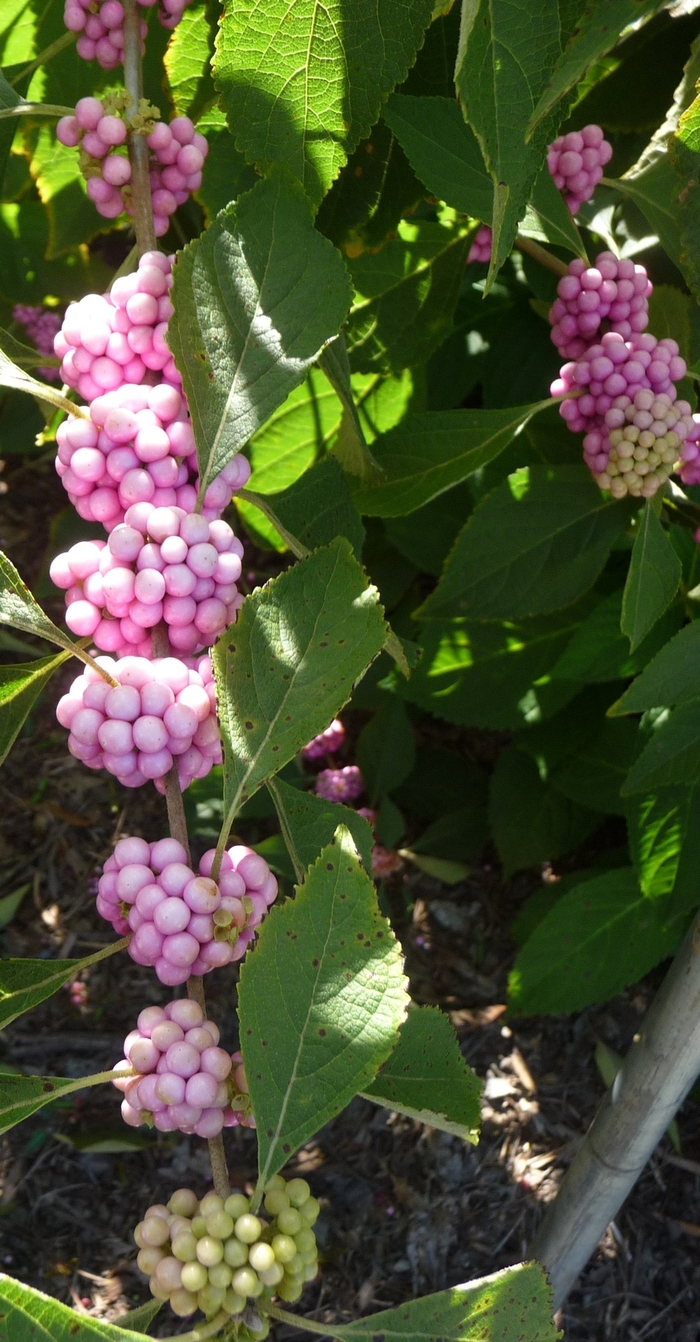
101,26
160,712
610,295
326,743
164,564
107,340
186,1083
41,325
344,784
576,163
177,150
480,249
633,423
184,923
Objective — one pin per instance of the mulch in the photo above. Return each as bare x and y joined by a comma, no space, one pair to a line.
406,1209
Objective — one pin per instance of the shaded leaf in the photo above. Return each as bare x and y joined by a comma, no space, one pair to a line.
386,749
246,330
531,822
533,545
672,755
653,579
27,1315
599,651
320,1003
598,938
20,687
289,664
427,454
672,677
26,983
319,506
302,86
593,776
309,822
443,151
427,1078
22,1096
19,609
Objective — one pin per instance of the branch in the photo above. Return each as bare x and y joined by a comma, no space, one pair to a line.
538,253
652,1083
138,149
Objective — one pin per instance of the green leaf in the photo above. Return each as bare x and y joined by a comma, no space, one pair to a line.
302,86
248,324
506,54
599,651
513,1305
26,983
405,295
652,582
598,938
443,151
533,545
548,217
673,677
596,33
72,217
450,873
655,190
22,1096
427,1078
664,839
225,175
139,1320
427,454
490,675
20,687
9,904
289,664
532,822
459,835
350,447
320,1003
308,824
294,436
187,62
19,609
594,775
16,378
386,749
27,1315
319,507
672,755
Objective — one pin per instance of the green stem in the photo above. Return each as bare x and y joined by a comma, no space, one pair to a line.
538,253
203,1331
138,149
286,831
305,1325
258,501
36,109
45,56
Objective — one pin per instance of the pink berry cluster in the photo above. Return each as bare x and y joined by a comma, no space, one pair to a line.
628,391
156,713
161,564
480,249
185,1082
41,325
183,922
344,784
177,150
326,743
107,340
101,26
137,448
611,295
576,163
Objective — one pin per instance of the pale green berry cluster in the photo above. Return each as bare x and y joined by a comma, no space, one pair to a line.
217,1255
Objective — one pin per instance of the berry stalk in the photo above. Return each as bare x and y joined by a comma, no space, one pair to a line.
138,149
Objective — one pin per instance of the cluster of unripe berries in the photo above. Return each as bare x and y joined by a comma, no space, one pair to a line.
628,389
217,1255
184,1081
576,161
147,716
100,131
101,26
182,922
611,295
160,564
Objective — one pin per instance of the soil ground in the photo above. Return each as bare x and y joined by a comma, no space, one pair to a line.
406,1209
